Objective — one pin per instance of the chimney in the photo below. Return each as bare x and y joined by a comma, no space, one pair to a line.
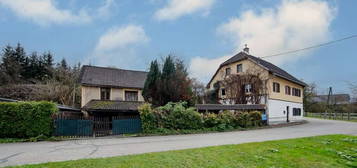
246,49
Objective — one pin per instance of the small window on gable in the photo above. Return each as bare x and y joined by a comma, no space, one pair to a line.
239,68
223,92
228,71
287,90
104,93
276,87
248,88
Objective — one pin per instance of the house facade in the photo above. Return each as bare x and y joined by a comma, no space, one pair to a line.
111,91
283,95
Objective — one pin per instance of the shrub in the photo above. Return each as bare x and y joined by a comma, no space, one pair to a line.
227,120
256,118
176,117
210,120
147,117
26,119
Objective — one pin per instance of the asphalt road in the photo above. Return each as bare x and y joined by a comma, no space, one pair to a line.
40,152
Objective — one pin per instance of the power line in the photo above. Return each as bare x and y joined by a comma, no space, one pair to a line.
311,47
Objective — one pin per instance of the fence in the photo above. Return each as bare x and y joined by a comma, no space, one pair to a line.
79,126
334,115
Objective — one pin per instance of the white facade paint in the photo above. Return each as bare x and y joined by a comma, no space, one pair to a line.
277,111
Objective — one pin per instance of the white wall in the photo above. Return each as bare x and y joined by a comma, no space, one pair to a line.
276,110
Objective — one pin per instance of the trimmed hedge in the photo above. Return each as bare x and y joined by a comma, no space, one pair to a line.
176,117
26,119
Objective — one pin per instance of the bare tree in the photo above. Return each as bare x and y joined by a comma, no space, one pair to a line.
198,90
248,87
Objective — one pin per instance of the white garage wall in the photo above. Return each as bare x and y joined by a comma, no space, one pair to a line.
276,110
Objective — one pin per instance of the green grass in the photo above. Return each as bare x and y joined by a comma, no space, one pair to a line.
322,151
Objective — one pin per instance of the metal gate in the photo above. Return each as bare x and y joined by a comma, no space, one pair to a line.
72,126
101,126
126,125
78,126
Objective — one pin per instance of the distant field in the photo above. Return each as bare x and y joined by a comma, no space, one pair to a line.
322,151
339,116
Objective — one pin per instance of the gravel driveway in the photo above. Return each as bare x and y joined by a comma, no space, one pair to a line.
28,153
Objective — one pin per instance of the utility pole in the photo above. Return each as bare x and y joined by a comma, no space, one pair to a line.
328,103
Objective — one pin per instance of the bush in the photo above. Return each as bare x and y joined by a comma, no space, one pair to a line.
256,118
176,117
147,117
26,119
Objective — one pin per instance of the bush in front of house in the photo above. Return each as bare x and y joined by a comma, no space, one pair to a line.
26,119
178,118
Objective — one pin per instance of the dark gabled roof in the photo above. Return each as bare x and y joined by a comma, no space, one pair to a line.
334,99
112,77
112,105
230,107
275,70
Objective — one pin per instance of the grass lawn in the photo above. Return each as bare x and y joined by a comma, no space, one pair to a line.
321,151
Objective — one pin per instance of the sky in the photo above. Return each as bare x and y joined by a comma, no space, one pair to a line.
130,34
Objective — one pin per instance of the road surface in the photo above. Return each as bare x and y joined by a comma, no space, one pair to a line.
40,152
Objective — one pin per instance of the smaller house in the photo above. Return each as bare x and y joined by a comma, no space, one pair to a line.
109,92
338,99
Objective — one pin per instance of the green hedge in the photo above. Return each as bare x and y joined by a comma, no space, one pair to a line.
176,116
26,119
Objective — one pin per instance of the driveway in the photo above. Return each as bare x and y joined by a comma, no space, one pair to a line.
40,152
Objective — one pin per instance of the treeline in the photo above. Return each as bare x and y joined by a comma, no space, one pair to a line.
169,82
17,67
37,76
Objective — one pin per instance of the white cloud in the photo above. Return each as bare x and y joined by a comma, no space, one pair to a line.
118,46
46,12
121,37
203,68
105,10
177,8
291,25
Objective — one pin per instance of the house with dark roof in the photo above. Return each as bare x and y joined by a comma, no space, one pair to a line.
283,99
111,91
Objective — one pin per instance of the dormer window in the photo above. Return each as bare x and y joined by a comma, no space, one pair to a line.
239,68
228,71
104,93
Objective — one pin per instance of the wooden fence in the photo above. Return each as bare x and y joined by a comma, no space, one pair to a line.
333,115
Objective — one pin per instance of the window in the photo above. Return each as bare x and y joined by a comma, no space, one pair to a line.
239,68
104,93
276,87
248,88
296,111
287,90
131,95
228,71
223,92
296,92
